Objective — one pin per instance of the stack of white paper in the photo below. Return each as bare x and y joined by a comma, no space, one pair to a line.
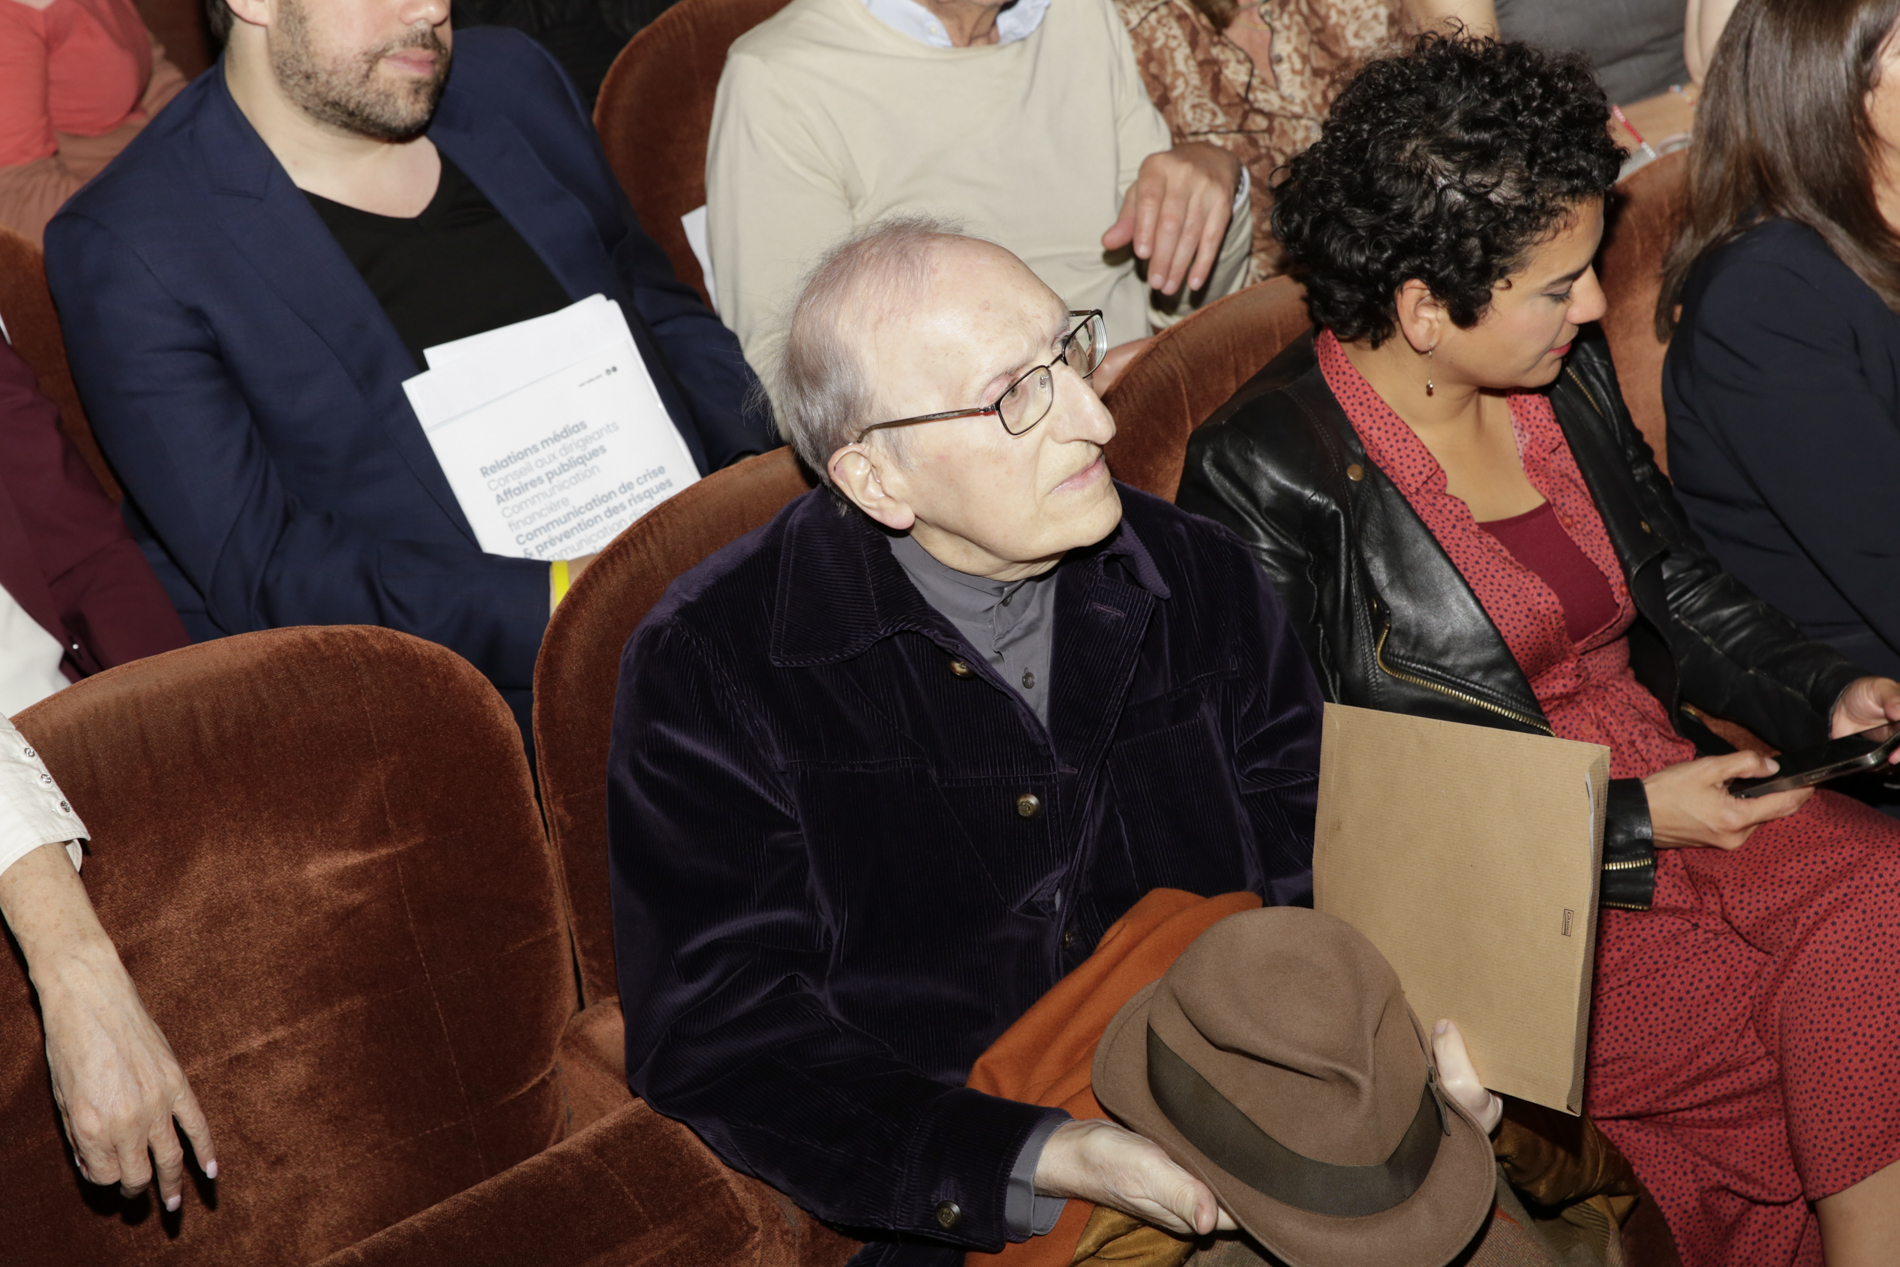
550,431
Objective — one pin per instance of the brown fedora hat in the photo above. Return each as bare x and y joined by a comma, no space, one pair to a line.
1278,1061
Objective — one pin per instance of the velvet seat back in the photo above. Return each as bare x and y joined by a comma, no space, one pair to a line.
655,110
26,305
1189,371
180,26
319,855
1651,204
579,666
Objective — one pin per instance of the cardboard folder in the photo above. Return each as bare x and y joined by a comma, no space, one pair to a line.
1470,857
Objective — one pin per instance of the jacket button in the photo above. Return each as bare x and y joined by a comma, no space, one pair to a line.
949,1214
1068,939
960,668
1355,472
1644,523
1028,805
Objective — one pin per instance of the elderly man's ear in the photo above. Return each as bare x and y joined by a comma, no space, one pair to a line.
856,473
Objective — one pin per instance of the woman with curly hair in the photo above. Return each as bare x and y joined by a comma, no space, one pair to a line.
1464,523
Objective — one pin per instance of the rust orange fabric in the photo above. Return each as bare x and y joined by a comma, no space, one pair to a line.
1044,1058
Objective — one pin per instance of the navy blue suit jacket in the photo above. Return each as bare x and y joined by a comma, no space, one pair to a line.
247,386
827,902
1783,390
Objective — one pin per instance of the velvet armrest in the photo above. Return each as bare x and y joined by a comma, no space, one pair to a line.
634,1188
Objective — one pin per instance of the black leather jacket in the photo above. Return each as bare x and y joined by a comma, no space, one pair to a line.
1390,623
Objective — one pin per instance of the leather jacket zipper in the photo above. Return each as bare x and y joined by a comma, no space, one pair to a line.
1378,656
1629,864
1585,390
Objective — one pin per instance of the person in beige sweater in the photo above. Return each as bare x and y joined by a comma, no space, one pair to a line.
1028,125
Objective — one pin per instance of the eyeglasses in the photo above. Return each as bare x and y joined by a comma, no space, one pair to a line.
1025,402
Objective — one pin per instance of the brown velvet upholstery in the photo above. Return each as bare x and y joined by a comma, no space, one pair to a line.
1649,206
574,677
574,682
655,113
613,1194
26,305
318,853
180,27
1188,372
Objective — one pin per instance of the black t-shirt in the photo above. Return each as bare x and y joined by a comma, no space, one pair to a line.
457,269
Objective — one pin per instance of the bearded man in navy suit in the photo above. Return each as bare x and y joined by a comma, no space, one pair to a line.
246,288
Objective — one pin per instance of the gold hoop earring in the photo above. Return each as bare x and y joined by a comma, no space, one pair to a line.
1429,389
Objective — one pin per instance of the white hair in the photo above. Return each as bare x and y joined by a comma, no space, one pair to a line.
826,396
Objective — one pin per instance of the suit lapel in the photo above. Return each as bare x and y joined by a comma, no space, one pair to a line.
271,223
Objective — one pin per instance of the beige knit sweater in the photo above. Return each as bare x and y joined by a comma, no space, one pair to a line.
828,120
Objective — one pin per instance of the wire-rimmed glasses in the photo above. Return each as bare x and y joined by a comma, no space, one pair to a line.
1026,402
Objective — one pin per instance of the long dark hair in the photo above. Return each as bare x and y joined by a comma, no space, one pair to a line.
1783,131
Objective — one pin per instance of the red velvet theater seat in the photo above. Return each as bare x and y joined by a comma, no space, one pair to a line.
655,112
1188,372
574,681
1650,207
319,853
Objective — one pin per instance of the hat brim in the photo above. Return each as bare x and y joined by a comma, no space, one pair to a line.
1427,1229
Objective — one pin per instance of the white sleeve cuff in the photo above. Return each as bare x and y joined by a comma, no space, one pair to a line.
33,811
1243,191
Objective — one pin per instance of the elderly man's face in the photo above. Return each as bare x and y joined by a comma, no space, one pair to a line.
373,68
979,499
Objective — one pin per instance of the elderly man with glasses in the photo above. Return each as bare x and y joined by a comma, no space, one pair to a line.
885,770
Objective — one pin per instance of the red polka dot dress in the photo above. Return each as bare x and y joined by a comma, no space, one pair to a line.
1745,1036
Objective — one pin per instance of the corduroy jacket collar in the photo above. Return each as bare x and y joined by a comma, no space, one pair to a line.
840,590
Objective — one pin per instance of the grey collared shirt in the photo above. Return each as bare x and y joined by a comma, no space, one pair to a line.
1012,624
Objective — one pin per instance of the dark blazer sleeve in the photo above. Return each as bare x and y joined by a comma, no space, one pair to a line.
71,535
719,944
180,433
1736,656
1775,367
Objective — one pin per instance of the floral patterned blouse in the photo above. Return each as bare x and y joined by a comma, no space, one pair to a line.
1208,88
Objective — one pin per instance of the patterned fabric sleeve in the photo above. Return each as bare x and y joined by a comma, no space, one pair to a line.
33,811
1208,88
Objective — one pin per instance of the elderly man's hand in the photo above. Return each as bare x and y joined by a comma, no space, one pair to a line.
116,1081
1459,1077
1106,1164
1176,214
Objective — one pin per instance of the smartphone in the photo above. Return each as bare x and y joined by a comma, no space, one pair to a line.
1869,750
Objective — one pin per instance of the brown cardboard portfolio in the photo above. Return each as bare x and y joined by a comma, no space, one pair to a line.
1469,856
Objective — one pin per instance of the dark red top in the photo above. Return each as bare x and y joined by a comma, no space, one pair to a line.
1538,540
66,555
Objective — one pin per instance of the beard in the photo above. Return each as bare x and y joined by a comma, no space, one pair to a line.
346,93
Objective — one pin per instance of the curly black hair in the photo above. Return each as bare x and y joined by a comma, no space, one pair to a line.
1448,163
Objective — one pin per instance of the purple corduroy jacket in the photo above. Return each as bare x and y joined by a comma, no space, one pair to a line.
842,867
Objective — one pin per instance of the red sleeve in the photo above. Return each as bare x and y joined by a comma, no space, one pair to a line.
106,592
26,120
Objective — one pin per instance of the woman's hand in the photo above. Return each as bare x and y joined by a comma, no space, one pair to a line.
1460,1079
1867,702
118,1086
1690,805
1106,1164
